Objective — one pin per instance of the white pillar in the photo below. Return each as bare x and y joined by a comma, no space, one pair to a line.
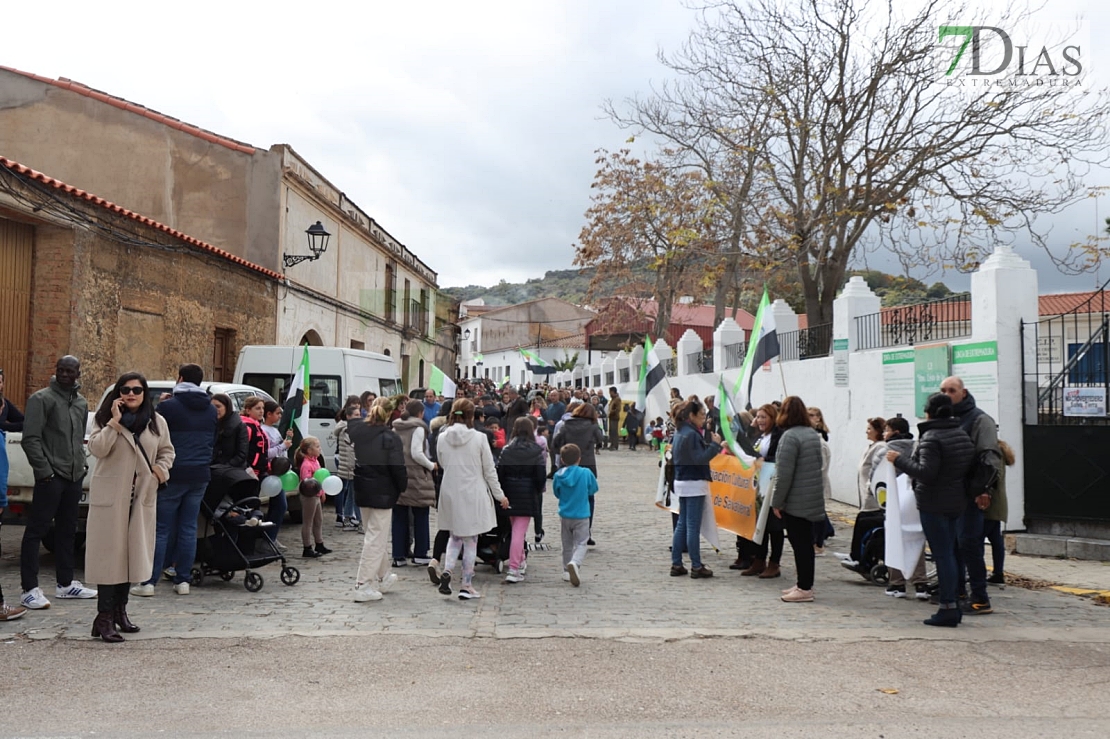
1003,294
785,317
690,343
855,300
726,334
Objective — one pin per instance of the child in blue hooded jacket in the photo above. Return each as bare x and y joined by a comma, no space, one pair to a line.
574,486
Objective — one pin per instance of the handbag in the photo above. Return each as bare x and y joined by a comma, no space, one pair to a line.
161,485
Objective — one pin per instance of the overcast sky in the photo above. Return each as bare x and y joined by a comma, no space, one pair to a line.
468,130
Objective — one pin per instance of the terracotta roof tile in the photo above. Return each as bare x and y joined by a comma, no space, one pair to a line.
108,205
122,104
1092,301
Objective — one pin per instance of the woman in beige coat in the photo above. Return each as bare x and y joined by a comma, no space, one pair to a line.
132,447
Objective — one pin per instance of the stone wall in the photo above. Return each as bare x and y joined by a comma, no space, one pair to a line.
120,307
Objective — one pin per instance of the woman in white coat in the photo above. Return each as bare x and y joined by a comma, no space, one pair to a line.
465,506
134,455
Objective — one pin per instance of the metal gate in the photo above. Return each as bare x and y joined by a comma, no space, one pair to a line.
16,246
1066,374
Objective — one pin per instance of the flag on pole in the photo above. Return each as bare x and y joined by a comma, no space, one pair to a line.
478,357
740,445
763,346
504,382
532,358
296,403
652,374
442,384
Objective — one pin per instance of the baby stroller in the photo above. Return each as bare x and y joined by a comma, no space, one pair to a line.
234,536
493,546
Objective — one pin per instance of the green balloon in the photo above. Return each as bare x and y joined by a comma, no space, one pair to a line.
321,474
290,481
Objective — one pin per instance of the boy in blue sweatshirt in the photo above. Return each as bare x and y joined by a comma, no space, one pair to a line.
574,486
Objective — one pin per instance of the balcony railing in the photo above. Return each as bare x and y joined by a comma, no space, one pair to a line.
698,363
807,343
734,355
947,318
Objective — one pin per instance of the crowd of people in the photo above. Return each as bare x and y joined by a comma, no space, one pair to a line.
484,459
956,469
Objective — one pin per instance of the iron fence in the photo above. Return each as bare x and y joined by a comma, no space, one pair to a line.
734,355
947,318
806,343
698,363
609,378
1066,366
670,366
625,374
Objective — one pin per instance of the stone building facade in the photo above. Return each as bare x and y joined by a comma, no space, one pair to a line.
367,291
120,291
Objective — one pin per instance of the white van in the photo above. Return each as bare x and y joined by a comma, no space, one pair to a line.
334,373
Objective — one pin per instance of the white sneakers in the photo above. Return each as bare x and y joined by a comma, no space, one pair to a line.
514,576
74,590
365,593
34,599
143,590
181,588
387,583
572,571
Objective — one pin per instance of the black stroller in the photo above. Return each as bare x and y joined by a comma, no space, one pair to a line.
493,546
234,537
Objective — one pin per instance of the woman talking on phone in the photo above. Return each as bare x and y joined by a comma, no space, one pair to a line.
132,447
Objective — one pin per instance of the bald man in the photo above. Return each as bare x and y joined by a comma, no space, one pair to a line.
983,431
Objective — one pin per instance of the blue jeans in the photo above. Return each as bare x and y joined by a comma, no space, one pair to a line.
176,537
275,513
940,531
687,532
346,505
972,552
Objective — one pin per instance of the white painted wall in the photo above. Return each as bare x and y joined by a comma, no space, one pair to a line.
1004,292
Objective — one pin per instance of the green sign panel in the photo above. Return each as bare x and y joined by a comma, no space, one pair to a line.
984,351
931,364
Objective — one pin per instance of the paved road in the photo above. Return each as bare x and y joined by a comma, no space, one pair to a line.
626,594
653,655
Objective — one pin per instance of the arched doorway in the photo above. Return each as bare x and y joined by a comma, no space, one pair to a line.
311,338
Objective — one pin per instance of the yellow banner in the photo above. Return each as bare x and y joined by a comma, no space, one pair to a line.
732,492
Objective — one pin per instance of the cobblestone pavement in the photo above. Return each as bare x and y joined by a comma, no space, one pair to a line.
626,593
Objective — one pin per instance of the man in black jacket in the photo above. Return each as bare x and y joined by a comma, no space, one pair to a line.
515,407
53,440
983,431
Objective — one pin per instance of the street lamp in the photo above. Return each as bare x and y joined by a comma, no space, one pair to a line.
466,334
317,244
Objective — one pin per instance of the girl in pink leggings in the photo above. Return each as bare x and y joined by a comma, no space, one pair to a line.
523,474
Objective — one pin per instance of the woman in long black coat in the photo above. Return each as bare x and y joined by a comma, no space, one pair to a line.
523,474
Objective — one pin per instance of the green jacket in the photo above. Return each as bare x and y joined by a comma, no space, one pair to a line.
54,432
799,484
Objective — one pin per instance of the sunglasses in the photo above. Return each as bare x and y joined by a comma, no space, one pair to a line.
130,390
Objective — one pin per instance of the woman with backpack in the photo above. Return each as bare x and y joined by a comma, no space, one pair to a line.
415,504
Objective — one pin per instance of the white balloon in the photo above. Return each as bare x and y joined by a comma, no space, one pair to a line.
271,486
332,485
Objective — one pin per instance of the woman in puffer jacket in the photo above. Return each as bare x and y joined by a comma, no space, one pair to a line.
581,429
420,496
523,473
939,466
798,498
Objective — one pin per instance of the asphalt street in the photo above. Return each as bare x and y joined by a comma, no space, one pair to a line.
632,652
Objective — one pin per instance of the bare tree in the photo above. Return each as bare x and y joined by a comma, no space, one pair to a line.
865,143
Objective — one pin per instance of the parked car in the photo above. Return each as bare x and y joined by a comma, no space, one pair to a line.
21,479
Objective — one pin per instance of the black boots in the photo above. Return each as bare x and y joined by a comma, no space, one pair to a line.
122,622
105,629
947,616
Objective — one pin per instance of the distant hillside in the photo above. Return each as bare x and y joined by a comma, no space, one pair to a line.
573,285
